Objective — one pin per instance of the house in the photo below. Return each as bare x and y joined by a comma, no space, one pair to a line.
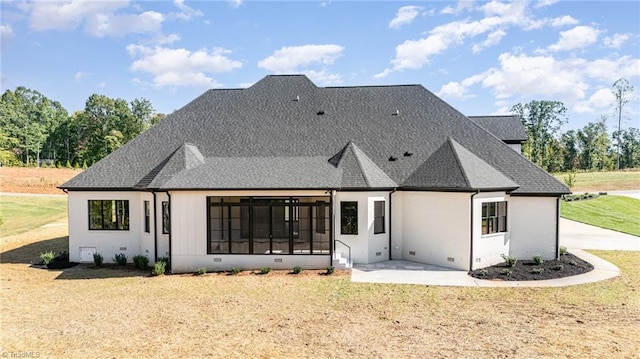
285,173
507,128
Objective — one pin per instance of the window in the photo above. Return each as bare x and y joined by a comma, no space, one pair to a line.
147,226
349,217
108,214
378,217
254,225
494,217
166,219
320,218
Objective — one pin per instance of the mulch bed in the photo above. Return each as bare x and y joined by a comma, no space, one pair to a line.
568,265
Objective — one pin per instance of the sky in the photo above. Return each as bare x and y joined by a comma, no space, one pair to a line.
482,57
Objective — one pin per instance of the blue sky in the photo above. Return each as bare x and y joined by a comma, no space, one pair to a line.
481,57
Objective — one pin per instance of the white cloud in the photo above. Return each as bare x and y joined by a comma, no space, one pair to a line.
576,38
405,16
323,77
616,41
462,5
611,69
563,21
119,25
599,101
81,75
6,33
290,58
181,67
545,3
414,54
459,89
492,40
235,3
186,12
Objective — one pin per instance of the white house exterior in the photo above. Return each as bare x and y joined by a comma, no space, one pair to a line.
286,174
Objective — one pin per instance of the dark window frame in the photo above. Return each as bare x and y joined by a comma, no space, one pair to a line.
321,218
147,217
119,209
166,217
348,212
379,217
494,217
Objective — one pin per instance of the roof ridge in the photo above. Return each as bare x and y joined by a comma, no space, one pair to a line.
356,153
452,143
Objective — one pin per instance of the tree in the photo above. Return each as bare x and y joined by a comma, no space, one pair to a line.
630,147
542,121
595,144
622,90
570,150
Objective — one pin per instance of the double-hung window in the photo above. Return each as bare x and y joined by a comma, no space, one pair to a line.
378,217
494,217
348,217
108,214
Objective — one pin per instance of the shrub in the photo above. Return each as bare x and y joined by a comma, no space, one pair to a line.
235,270
509,260
297,270
573,263
47,257
537,270
330,270
141,262
98,259
506,272
164,259
265,270
159,268
558,267
483,272
537,259
63,256
563,250
120,259
200,271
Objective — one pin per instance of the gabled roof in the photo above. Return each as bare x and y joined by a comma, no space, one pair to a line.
508,128
453,167
282,131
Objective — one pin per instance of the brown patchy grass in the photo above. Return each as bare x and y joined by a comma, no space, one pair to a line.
107,312
628,179
34,179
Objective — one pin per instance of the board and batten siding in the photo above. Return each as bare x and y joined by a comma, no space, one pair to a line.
533,226
189,236
436,228
108,243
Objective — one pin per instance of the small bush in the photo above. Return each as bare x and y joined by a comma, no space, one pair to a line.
163,259
63,256
159,268
573,263
141,262
483,272
509,260
265,270
507,272
558,267
537,259
563,250
297,270
235,270
330,270
47,257
98,259
537,270
200,271
120,259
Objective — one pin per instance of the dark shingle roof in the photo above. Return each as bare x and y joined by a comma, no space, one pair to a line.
508,128
282,132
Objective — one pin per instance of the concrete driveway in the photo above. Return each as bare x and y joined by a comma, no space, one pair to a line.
583,236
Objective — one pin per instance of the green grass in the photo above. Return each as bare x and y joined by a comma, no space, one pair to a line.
618,213
603,181
22,213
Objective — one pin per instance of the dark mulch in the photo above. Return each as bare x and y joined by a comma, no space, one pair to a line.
566,266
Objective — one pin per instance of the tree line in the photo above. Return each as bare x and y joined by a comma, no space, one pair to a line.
36,131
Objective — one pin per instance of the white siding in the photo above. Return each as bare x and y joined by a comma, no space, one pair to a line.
533,226
396,224
366,247
516,147
163,239
488,248
436,228
107,243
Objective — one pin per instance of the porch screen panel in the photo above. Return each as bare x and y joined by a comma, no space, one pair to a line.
219,242
302,232
261,231
239,226
321,236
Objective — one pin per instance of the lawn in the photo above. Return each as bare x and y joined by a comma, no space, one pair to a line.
87,312
603,181
21,213
612,212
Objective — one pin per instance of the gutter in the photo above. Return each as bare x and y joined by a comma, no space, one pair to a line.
170,230
558,228
471,233
390,223
331,229
155,227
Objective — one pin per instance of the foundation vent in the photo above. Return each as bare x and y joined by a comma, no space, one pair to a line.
378,254
277,260
412,253
216,260
451,259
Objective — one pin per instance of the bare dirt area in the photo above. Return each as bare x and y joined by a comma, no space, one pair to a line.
34,179
112,312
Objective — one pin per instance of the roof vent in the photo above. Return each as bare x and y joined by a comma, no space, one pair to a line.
297,98
397,113
408,154
392,159
320,113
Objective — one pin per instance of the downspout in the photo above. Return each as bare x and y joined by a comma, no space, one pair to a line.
155,227
390,223
557,227
471,234
331,229
170,230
